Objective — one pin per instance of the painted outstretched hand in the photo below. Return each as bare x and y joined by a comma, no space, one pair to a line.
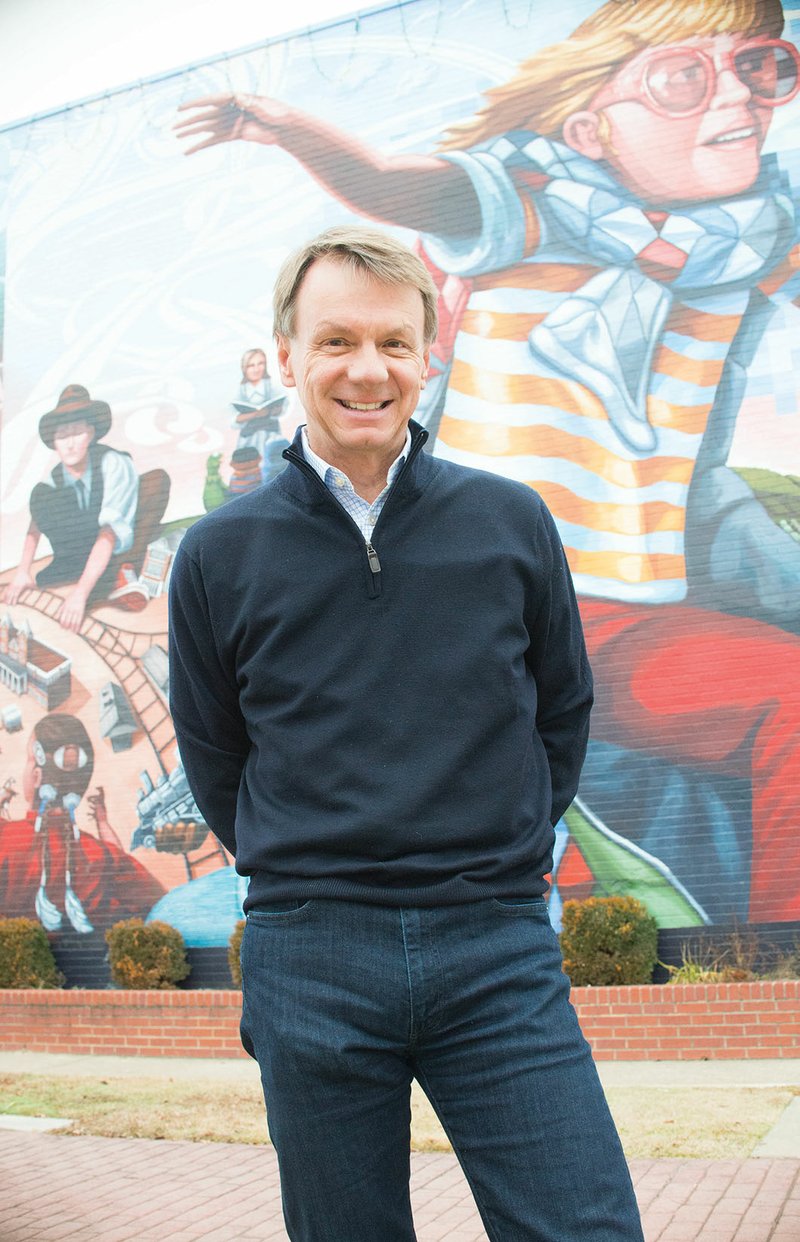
419,192
229,118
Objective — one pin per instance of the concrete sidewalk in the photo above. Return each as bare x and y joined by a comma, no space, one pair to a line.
135,1190
765,1072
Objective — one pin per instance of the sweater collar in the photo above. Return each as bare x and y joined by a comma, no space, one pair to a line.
304,482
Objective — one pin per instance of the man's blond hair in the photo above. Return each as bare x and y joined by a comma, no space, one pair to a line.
360,249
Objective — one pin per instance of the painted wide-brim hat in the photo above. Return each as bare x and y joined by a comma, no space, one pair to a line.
75,405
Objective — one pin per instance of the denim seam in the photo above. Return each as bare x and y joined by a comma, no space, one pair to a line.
408,976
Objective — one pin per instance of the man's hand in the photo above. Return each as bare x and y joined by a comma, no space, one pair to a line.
226,118
72,611
21,582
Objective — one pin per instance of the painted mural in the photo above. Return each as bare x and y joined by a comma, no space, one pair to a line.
607,197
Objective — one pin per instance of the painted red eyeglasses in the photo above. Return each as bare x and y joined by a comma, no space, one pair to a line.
680,81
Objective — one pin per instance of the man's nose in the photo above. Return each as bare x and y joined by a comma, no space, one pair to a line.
368,365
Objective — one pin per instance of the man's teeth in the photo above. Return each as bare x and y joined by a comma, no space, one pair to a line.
362,405
736,135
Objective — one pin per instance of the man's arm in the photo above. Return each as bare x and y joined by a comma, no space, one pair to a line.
23,579
73,610
560,666
116,521
120,499
204,700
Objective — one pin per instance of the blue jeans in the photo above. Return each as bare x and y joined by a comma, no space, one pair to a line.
345,1003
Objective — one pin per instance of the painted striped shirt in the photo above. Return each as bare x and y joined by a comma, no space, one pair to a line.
620,511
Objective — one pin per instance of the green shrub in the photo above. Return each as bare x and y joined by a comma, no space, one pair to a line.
608,940
26,959
234,953
146,955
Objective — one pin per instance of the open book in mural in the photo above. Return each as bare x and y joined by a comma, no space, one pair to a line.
607,198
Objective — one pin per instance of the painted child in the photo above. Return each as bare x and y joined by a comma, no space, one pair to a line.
258,408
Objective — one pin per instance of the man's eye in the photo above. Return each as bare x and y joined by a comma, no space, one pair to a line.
395,345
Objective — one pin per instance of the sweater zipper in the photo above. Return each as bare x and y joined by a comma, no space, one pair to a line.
373,560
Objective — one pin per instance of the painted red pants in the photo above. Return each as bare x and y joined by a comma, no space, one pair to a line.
706,689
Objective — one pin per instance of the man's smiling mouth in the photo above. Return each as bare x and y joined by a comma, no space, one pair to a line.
363,406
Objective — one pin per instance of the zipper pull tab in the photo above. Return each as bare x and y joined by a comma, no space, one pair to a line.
372,557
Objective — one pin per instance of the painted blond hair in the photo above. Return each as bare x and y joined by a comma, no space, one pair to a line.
247,358
565,77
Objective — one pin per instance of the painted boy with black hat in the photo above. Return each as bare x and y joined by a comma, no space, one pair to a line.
87,510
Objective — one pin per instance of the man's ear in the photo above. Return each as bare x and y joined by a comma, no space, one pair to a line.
582,132
426,362
285,361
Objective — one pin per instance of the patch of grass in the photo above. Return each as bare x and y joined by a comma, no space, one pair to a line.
687,1122
155,1108
703,1123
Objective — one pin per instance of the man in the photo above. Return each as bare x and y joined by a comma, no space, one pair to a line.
88,511
381,696
48,867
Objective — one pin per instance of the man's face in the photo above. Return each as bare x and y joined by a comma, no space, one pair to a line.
713,153
255,370
71,441
358,360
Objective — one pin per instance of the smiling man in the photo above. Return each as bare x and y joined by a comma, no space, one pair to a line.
359,363
381,696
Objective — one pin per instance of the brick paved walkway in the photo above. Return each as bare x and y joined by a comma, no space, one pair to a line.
137,1190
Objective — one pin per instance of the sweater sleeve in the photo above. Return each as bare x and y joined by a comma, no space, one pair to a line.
204,700
560,665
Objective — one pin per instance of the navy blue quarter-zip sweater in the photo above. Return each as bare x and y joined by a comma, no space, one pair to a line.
401,727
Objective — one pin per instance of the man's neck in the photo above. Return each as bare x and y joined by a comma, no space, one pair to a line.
368,478
367,472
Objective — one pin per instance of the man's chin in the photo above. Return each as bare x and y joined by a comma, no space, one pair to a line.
367,437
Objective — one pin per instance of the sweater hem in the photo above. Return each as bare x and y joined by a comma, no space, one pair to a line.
265,890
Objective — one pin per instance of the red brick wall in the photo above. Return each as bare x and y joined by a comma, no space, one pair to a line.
688,1022
121,1023
692,1022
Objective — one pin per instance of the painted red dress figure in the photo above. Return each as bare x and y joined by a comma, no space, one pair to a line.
50,869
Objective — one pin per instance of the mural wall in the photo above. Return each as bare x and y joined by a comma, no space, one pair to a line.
607,197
